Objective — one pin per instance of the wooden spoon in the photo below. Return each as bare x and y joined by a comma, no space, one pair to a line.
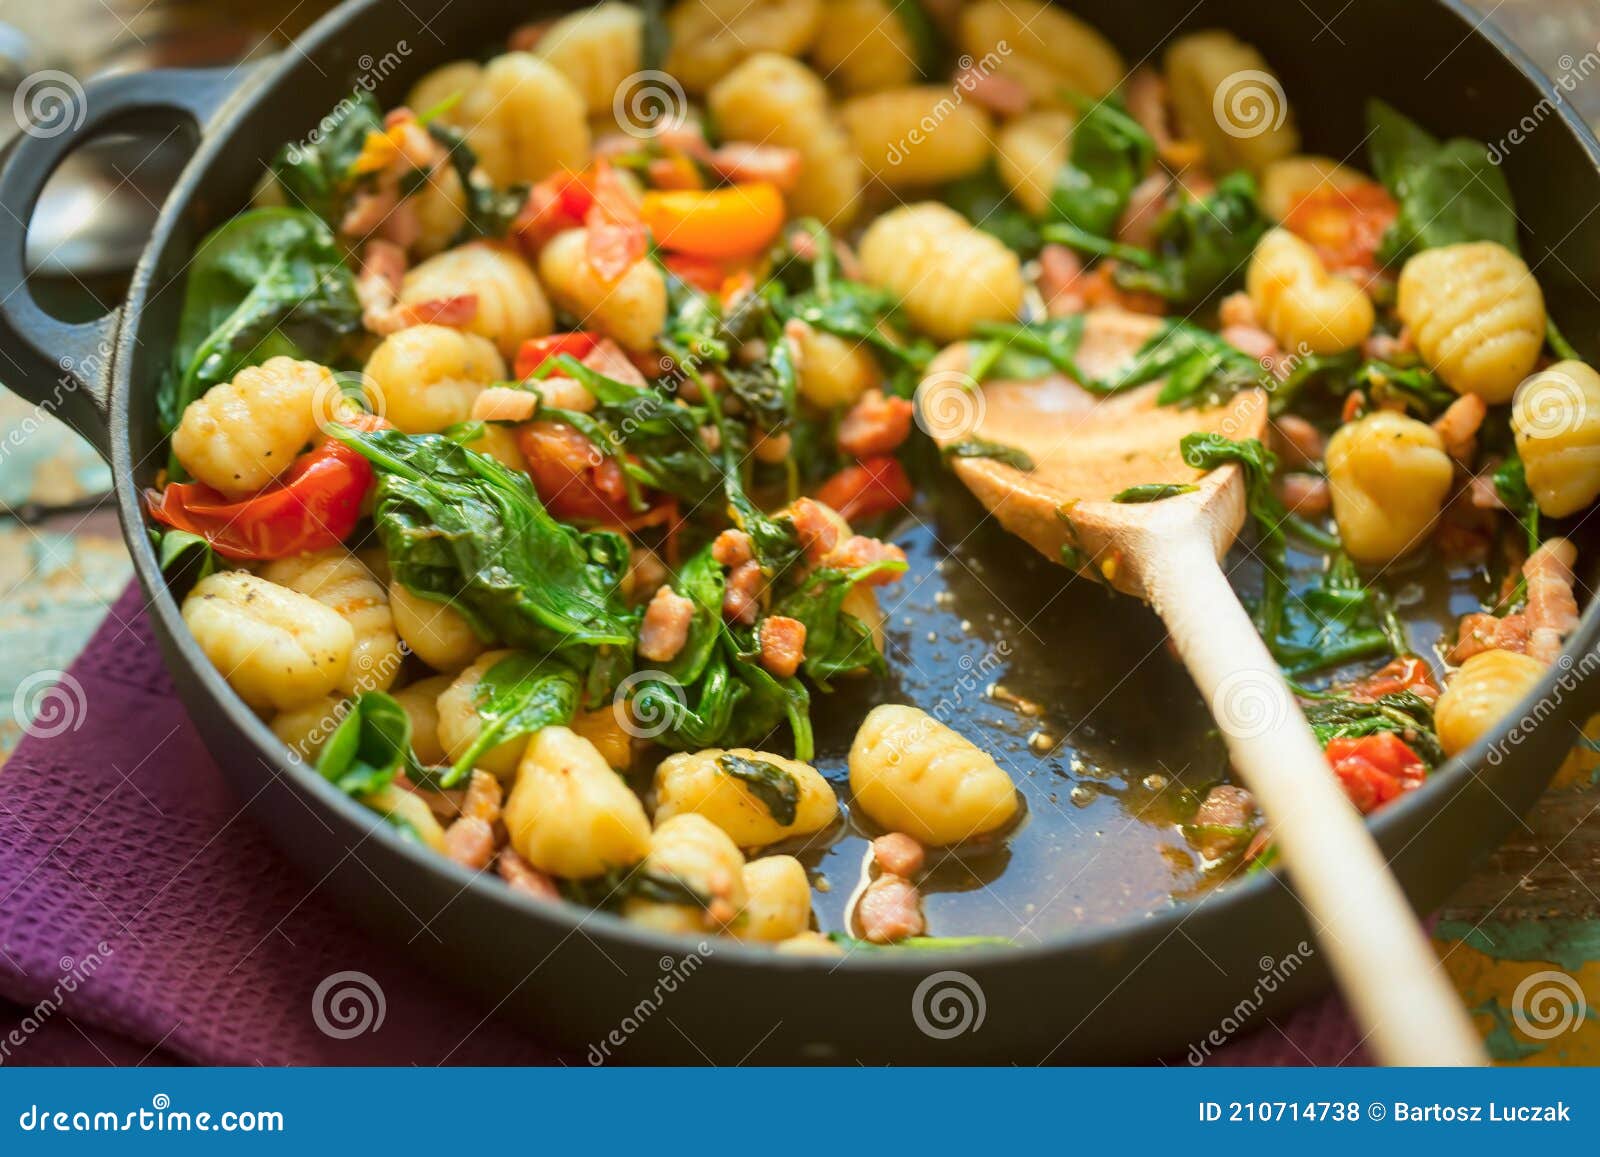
1087,448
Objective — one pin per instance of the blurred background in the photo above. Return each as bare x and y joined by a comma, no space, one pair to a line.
62,561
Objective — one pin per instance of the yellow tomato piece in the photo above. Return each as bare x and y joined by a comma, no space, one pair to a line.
733,222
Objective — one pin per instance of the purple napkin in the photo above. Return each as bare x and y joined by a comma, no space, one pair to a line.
144,918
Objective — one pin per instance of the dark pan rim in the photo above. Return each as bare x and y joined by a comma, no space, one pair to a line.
570,918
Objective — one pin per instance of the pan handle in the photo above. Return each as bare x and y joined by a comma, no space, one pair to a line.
65,367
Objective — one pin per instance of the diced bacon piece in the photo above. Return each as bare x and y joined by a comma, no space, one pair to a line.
367,210
875,425
646,573
1223,823
859,551
665,629
1254,342
1297,442
1552,609
1406,673
608,358
1061,280
1385,347
383,268
783,645
454,311
1481,632
1482,490
1000,94
732,548
470,842
898,854
742,596
526,37
742,163
504,404
1146,204
1237,309
890,910
402,226
817,527
1305,494
524,877
1458,427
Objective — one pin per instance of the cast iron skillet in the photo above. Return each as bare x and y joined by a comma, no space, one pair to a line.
1147,986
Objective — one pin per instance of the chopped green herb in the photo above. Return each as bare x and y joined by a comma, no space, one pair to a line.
1153,492
774,786
981,448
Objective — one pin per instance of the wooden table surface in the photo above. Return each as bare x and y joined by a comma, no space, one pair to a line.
1527,921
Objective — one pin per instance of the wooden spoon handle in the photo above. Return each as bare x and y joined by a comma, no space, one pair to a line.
1378,952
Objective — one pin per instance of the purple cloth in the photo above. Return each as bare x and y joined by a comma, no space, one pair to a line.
145,919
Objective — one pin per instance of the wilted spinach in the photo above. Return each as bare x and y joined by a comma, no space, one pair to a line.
774,786
1153,492
1110,155
981,448
519,695
371,744
1202,246
1403,712
489,211
318,175
984,200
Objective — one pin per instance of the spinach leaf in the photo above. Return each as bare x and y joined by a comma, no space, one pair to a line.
461,528
1054,342
1404,712
490,211
518,696
774,786
269,282
984,200
1110,155
1511,484
318,175
371,743
981,448
656,38
1338,620
1203,246
1448,193
836,642
1153,492
183,553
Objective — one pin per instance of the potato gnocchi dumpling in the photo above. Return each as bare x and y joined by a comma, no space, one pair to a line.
424,379
240,435
1050,52
1287,182
511,306
711,37
420,702
865,46
1482,694
632,311
833,372
596,49
436,633
337,579
522,117
1228,98
1477,315
948,275
777,900
569,814
756,797
696,878
777,101
1030,151
1389,475
910,773
410,813
911,138
1555,416
306,728
276,647
460,723
1306,308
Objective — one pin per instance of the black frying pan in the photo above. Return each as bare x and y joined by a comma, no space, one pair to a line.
1126,989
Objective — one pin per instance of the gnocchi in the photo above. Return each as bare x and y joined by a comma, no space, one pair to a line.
777,900
911,138
1477,315
756,797
779,101
632,311
242,434
1306,308
1030,152
306,728
522,117
597,49
912,774
276,647
832,372
339,580
569,814
1482,693
1389,476
695,875
711,37
460,723
865,46
436,633
1047,50
1287,182
424,379
511,306
1555,416
1228,98
420,702
948,275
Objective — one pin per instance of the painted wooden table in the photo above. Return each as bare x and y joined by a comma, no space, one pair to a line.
1521,940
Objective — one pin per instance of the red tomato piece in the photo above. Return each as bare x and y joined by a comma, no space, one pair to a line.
1375,769
871,487
1345,226
538,350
